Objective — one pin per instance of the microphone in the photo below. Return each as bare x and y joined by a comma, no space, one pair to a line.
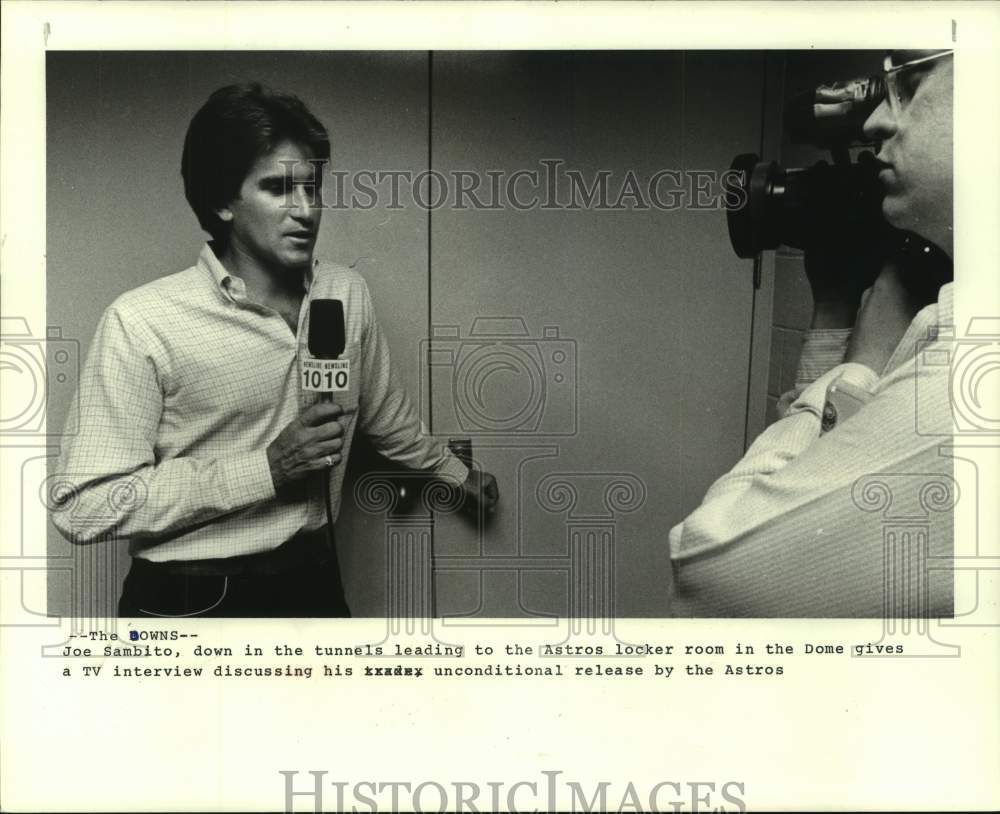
327,337
326,329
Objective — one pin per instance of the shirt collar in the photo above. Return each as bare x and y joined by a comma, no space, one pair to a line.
946,303
207,261
232,287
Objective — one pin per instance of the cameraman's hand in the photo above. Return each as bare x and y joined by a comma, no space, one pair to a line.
887,309
838,277
304,446
480,488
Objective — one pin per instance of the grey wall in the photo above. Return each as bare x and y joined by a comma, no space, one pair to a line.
654,303
656,307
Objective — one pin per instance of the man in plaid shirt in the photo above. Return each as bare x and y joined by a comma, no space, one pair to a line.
192,425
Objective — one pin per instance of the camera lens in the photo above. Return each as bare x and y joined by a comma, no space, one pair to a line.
749,192
822,206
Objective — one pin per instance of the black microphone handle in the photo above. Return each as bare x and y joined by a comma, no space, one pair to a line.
326,396
327,336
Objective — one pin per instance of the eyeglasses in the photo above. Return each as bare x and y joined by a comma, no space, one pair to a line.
901,80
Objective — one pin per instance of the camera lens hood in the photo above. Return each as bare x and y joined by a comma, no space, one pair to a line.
749,187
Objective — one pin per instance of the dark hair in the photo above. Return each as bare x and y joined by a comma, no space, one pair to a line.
236,126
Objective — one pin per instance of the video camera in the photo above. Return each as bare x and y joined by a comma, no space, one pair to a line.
827,206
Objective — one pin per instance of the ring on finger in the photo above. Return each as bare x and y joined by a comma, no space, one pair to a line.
328,460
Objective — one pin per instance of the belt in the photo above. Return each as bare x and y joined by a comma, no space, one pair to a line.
307,549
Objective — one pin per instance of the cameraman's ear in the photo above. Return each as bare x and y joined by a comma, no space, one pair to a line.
225,214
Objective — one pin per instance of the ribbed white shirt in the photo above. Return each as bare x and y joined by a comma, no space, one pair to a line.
797,527
186,383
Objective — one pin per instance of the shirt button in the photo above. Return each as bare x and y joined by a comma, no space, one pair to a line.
829,417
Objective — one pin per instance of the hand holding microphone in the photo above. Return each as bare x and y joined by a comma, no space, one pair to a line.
313,441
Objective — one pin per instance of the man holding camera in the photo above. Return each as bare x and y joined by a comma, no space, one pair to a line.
796,528
197,441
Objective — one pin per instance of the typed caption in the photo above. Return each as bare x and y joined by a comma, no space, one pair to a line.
163,654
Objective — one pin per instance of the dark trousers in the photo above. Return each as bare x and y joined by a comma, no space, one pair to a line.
299,579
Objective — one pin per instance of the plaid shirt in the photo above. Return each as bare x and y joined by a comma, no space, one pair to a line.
186,383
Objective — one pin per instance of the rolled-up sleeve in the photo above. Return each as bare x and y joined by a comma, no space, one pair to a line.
781,533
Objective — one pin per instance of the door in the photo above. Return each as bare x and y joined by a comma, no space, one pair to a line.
597,355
